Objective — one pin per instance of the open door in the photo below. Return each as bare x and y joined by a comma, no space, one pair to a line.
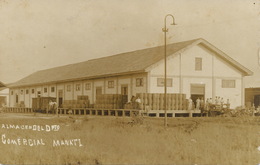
60,97
98,91
16,98
197,91
257,100
124,92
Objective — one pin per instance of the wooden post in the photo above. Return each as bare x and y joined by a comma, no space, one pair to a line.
173,114
157,114
190,113
123,113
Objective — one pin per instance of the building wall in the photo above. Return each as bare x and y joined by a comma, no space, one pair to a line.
89,92
181,69
78,88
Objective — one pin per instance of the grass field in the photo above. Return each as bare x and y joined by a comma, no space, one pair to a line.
111,140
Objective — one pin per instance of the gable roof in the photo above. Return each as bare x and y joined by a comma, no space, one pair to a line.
120,64
2,84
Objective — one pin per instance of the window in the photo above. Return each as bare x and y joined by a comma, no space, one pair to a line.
12,92
139,82
198,63
68,88
21,92
87,86
45,90
27,91
77,87
39,93
52,89
160,82
228,83
32,91
110,84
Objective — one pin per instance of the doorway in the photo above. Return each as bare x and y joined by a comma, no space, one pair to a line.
98,91
16,98
124,92
60,96
197,91
257,100
124,89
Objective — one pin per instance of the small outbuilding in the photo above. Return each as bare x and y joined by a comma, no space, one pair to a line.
4,95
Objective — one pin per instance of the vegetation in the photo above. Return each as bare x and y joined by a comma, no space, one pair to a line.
111,140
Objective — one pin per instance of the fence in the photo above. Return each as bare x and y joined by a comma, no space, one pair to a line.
79,111
18,110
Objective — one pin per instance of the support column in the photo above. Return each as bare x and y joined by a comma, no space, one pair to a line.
104,86
57,95
64,90
180,75
213,80
82,88
131,87
93,90
72,90
213,88
117,85
242,91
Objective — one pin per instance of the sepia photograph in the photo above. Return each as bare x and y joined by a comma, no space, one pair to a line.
109,82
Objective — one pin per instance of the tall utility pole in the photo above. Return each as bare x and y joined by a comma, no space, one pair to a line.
165,30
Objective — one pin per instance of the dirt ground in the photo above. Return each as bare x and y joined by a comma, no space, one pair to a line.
125,140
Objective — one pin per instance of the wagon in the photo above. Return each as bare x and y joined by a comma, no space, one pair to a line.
41,104
219,110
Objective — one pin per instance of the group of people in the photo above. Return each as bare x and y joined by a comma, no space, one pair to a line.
136,102
217,103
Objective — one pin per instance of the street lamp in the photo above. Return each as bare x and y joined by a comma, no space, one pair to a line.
165,30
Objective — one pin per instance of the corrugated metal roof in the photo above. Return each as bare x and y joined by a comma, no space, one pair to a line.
125,63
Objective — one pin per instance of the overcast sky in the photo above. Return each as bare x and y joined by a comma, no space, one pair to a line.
41,34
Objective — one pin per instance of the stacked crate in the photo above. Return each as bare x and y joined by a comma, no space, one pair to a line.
81,102
110,101
155,101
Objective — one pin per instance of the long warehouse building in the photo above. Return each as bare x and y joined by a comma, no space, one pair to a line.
195,68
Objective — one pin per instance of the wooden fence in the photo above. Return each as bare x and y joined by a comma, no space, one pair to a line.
17,110
79,111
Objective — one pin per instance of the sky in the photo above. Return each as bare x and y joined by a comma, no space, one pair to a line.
41,34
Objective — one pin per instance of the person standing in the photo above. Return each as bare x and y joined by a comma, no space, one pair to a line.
138,103
189,104
202,104
222,102
198,103
207,104
133,102
228,104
